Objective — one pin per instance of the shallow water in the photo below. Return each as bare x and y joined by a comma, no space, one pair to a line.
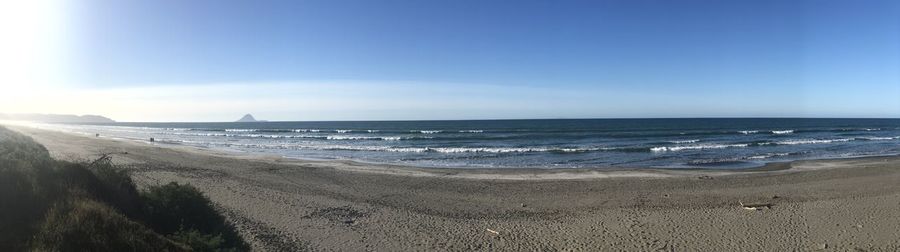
577,143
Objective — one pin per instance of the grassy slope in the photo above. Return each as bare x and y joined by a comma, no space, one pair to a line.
50,205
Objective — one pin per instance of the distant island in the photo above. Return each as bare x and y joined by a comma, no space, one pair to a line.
249,118
56,118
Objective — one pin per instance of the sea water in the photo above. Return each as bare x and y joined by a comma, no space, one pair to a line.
570,143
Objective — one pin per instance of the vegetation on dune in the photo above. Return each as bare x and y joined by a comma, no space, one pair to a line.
182,212
51,205
90,225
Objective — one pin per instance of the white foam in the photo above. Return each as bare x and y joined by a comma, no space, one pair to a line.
272,136
240,130
685,141
201,134
781,132
512,150
747,132
430,131
343,131
182,141
471,131
490,150
696,147
351,138
881,138
450,150
366,148
389,138
373,131
812,141
768,155
261,136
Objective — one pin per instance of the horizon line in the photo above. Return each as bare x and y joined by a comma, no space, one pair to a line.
515,119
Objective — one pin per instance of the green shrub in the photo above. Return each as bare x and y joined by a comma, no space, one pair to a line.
198,241
86,225
117,188
25,167
19,208
15,146
189,217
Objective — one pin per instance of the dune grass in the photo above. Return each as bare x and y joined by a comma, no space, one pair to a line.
51,205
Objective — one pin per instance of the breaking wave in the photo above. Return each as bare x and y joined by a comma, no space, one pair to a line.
457,149
696,147
878,138
812,141
768,155
391,138
241,130
685,141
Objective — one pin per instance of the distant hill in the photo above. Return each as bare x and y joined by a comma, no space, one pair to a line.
247,118
56,118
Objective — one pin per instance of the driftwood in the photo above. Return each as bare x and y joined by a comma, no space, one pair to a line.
104,157
492,231
759,206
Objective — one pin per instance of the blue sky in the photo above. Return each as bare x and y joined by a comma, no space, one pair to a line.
484,59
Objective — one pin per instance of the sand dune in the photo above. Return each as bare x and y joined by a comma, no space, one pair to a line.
285,204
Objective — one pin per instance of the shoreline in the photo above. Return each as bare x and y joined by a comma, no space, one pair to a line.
284,204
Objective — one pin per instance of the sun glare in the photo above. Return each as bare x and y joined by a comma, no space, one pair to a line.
33,34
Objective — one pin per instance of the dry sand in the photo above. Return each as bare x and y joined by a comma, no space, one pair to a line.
285,204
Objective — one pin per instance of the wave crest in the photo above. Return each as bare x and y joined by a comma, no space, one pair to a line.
684,141
696,147
812,141
241,130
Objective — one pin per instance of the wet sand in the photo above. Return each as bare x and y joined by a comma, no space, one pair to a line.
289,204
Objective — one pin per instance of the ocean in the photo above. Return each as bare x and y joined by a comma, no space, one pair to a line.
565,143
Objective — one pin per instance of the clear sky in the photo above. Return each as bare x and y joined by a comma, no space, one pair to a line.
206,60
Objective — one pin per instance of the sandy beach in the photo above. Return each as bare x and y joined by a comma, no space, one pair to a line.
283,204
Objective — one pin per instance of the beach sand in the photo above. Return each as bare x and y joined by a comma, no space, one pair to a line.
288,204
